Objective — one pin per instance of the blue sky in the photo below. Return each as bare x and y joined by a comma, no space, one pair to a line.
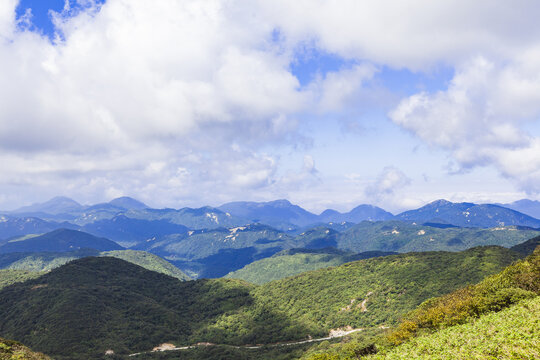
187,103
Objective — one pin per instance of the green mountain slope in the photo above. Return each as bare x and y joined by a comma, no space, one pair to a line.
295,261
519,281
148,261
404,237
527,247
8,277
46,261
216,252
82,309
90,305
510,334
13,350
378,291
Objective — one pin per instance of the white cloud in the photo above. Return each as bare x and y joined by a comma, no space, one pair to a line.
480,117
414,34
389,180
150,97
340,89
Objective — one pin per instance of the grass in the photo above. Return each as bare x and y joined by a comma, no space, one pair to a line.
513,333
13,350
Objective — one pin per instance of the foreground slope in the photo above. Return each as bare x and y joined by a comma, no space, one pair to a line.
427,331
13,350
82,309
513,333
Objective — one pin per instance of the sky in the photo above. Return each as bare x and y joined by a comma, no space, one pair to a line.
327,103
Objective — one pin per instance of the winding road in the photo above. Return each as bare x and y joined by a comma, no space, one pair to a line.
332,335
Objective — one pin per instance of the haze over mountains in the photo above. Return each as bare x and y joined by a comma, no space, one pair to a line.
211,242
280,213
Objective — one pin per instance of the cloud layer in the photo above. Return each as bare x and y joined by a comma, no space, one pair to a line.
183,102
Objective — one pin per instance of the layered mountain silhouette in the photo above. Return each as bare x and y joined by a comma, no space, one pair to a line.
282,214
59,240
526,206
468,215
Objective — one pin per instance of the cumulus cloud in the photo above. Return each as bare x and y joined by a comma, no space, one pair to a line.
185,97
480,118
413,34
389,180
338,89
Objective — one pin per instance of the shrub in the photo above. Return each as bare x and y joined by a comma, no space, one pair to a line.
515,283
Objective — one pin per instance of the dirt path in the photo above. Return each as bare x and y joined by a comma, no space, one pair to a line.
333,335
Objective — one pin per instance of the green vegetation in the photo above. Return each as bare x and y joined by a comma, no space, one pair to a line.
404,237
91,305
380,290
510,334
8,277
148,261
13,350
295,261
42,261
46,261
516,282
527,247
467,323
228,352
215,253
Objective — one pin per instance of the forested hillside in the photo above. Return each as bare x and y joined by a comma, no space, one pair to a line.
46,261
497,317
295,261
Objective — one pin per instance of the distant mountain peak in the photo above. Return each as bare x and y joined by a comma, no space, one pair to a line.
440,202
468,215
56,205
280,203
129,203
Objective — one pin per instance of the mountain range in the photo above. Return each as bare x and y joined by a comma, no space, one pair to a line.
468,215
212,242
280,214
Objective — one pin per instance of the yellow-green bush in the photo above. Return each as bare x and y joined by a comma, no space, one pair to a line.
517,282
